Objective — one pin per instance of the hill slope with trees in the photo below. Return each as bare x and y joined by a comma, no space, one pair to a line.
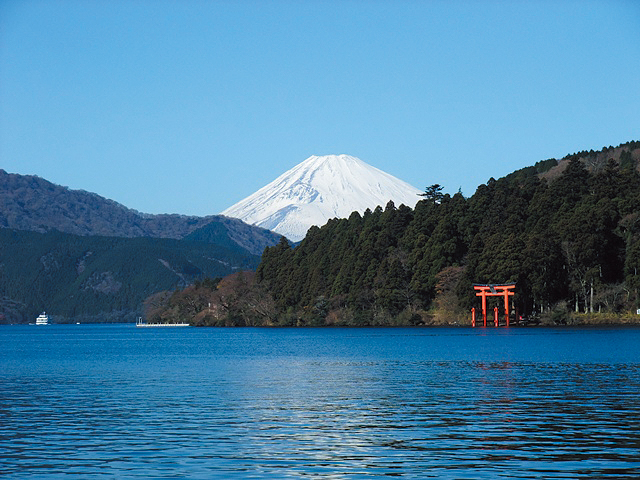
100,279
566,232
83,257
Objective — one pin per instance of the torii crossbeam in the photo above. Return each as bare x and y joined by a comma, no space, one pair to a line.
492,290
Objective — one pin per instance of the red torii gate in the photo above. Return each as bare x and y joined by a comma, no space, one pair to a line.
485,291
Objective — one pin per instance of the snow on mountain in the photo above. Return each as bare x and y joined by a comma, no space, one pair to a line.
318,189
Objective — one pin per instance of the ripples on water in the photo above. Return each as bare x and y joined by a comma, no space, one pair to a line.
120,402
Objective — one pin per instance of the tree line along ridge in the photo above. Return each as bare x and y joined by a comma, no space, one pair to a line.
567,233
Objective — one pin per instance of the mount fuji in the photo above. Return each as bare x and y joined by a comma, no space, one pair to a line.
317,190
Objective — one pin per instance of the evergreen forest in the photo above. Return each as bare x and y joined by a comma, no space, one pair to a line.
101,279
567,233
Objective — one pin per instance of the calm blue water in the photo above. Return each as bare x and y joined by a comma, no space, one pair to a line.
117,401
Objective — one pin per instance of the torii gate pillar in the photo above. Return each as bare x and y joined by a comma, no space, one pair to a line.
491,290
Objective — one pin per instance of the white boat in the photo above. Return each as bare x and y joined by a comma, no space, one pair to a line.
43,319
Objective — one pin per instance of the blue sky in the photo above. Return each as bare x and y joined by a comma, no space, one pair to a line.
190,106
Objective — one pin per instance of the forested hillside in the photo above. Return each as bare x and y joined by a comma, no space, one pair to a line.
91,278
567,233
574,238
109,258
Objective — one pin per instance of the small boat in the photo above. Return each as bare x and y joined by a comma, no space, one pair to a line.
43,319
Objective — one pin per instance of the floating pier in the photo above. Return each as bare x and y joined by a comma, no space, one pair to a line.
141,323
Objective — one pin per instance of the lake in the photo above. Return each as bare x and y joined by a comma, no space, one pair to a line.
115,401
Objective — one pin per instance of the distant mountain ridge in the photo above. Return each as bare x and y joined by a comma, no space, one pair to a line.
28,202
319,189
82,257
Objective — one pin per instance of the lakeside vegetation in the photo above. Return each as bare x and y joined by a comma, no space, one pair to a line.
567,233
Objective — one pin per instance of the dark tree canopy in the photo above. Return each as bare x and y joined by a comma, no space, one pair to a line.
566,233
571,239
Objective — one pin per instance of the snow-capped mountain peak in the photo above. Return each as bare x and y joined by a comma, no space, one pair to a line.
318,189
